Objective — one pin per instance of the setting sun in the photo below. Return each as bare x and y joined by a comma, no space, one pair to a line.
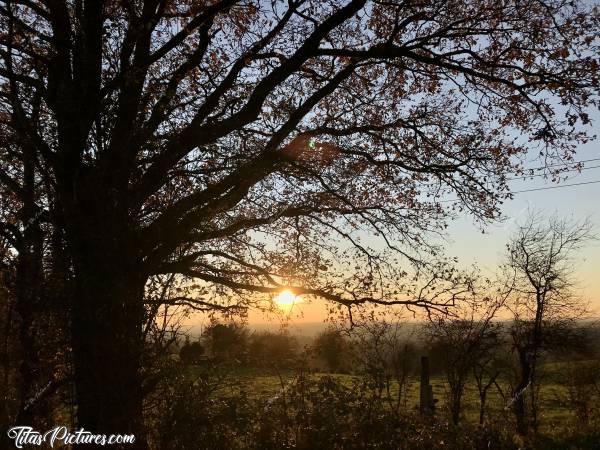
286,299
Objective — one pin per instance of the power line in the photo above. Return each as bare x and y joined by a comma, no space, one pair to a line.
557,187
566,163
538,189
525,177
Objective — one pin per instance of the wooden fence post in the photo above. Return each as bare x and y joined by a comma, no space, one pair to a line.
426,403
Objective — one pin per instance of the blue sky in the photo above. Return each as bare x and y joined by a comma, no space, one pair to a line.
579,202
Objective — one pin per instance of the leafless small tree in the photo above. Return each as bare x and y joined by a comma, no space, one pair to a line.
461,344
386,354
486,373
540,263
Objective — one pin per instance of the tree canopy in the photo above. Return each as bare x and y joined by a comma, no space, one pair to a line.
200,127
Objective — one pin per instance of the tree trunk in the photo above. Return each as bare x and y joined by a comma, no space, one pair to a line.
482,400
29,280
483,390
519,403
107,351
426,401
534,406
7,318
455,402
107,318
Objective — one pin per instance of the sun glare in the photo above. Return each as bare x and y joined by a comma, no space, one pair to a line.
286,299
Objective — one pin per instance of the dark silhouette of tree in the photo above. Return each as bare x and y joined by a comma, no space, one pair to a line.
277,350
384,352
32,285
540,264
489,368
191,352
461,344
171,137
7,348
227,342
332,348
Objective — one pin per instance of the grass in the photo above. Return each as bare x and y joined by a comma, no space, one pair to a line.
554,411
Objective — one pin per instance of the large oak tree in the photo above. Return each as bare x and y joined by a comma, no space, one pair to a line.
243,144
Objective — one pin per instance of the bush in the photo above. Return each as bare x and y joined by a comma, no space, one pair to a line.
310,413
191,353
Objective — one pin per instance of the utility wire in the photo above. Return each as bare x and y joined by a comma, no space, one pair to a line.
537,189
566,163
556,187
525,177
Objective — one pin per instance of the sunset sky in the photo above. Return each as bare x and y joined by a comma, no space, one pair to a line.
471,246
466,241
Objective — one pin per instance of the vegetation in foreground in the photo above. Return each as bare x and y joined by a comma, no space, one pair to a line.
269,394
530,382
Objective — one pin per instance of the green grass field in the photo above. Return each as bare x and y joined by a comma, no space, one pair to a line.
554,411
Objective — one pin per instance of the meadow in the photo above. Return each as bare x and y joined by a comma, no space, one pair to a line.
555,411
